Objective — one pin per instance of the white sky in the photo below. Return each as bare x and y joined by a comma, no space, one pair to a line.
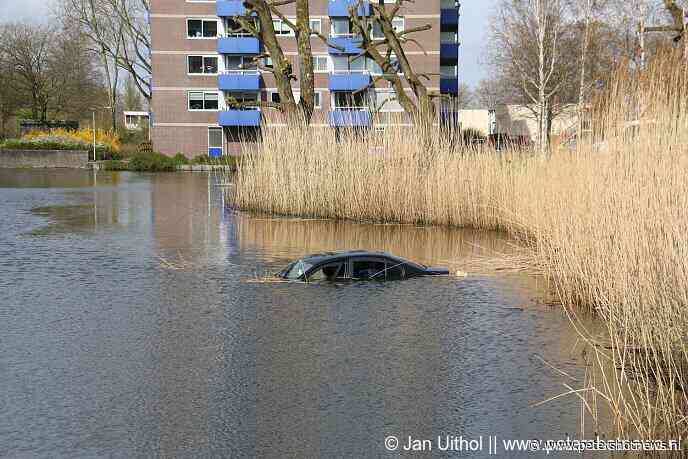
474,22
19,10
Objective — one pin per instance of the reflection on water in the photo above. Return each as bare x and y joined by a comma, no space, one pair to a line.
129,328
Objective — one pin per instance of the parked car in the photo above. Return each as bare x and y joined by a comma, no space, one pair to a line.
355,265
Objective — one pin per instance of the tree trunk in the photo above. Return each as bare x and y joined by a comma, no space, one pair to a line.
306,76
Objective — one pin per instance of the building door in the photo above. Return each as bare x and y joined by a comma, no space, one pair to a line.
215,144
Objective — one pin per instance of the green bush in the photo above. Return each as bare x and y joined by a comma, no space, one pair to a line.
152,162
115,165
180,159
20,144
102,151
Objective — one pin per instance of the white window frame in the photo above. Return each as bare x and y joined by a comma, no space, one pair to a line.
222,142
383,109
297,96
282,23
188,101
319,21
216,20
398,18
327,63
216,56
403,23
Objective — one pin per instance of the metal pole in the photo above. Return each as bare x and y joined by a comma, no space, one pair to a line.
94,135
641,31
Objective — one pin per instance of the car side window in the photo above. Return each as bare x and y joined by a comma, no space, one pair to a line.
368,269
328,272
395,271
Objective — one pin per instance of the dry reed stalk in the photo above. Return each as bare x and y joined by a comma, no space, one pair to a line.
607,223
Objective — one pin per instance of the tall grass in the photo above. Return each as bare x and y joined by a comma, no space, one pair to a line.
607,222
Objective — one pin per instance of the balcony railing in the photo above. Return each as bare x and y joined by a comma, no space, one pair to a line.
239,80
349,80
345,43
349,117
340,8
238,43
228,8
235,117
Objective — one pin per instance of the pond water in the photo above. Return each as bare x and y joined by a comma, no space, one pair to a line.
136,321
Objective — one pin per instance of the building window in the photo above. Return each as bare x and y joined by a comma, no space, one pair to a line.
239,63
449,37
248,100
199,100
274,97
350,101
235,29
340,27
282,28
199,65
398,24
201,28
321,64
215,147
386,101
449,71
316,25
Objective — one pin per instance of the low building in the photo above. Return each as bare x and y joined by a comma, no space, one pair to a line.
136,121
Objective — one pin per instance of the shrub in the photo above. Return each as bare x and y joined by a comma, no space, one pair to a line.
106,141
180,159
152,162
115,165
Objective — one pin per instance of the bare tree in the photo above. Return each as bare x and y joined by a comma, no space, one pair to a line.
119,34
527,36
131,97
134,28
47,67
97,21
390,54
262,27
26,49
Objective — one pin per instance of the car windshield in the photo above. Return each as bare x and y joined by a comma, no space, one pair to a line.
298,269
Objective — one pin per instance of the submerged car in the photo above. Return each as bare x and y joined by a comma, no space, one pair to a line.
355,265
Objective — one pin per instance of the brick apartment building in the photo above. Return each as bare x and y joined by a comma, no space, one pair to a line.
196,64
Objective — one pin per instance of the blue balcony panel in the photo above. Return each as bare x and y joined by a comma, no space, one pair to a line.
340,8
449,85
449,52
449,18
238,118
349,118
228,8
239,82
238,45
349,81
345,45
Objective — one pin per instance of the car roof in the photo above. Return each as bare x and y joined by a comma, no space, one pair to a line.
325,257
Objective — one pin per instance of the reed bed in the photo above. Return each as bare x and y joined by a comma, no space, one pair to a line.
607,221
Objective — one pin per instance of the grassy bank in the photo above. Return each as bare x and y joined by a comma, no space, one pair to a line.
157,162
607,222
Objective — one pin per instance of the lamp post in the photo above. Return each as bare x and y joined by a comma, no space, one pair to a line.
93,110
